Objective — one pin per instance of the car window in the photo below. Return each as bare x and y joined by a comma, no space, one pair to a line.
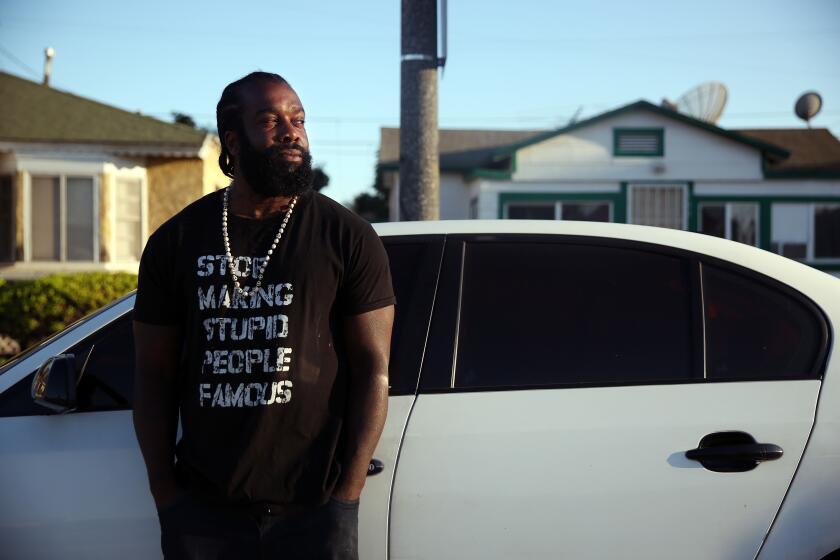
541,314
414,270
754,331
107,378
105,360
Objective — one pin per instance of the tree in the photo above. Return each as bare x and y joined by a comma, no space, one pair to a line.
320,179
183,118
373,206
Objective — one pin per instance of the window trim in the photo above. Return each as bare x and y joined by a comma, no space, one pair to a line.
659,132
62,189
811,231
727,215
446,315
12,224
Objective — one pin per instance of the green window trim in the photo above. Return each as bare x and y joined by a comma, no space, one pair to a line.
765,205
619,132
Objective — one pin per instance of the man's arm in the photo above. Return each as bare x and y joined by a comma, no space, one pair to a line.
367,338
155,405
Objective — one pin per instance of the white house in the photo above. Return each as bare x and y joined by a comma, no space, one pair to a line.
778,189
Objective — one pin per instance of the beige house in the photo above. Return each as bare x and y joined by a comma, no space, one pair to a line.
83,184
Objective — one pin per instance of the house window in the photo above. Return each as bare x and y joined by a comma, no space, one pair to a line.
129,219
806,231
63,218
570,210
737,221
636,142
7,219
658,205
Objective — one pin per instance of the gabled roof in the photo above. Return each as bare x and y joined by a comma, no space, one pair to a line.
32,112
814,152
491,150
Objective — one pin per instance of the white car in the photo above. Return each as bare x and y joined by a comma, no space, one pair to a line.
558,390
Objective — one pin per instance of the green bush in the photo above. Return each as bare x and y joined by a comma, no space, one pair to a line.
32,310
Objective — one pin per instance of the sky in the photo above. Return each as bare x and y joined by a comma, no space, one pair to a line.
530,64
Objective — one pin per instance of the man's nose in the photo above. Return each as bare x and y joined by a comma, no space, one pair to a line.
286,133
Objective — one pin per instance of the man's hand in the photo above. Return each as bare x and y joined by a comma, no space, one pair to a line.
367,338
155,405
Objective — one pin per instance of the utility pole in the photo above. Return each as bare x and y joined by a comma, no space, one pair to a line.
419,184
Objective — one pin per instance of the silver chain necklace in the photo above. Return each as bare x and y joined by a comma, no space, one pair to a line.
234,271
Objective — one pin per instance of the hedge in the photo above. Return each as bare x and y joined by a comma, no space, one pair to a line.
32,310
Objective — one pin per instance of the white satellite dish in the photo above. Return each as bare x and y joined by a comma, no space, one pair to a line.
704,102
807,106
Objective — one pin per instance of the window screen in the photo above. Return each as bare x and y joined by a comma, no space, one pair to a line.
549,313
129,230
756,332
658,205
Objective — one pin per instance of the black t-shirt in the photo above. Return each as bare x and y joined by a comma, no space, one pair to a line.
262,381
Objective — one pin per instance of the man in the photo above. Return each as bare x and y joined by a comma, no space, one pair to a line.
263,315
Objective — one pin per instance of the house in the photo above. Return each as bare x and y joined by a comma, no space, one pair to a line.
778,189
83,184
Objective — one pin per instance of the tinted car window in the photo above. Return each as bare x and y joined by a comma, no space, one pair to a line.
105,361
554,313
754,331
414,270
107,378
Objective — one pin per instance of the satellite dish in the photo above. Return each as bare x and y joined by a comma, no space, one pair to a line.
704,102
807,106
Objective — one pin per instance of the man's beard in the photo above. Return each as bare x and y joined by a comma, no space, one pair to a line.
270,175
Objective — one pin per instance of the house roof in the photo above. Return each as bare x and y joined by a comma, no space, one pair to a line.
814,152
31,112
474,151
460,150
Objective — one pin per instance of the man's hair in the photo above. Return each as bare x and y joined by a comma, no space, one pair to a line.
229,112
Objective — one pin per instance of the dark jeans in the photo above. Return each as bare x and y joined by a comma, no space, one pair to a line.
191,530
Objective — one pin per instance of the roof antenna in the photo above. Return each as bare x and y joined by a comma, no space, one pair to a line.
575,117
49,53
807,106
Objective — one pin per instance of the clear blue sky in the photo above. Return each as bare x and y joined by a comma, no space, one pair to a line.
525,64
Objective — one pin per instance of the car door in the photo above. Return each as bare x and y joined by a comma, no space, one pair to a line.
415,262
556,422
73,485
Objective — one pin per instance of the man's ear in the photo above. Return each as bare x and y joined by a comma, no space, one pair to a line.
231,141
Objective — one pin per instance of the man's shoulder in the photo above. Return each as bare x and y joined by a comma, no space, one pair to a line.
335,211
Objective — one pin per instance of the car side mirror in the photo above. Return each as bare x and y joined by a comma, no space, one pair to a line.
54,385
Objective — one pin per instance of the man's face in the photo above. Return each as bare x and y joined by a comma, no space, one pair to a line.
273,150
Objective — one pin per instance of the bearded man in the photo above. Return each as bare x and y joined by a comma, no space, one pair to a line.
263,316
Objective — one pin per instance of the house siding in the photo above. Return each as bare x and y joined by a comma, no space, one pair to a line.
172,185
587,154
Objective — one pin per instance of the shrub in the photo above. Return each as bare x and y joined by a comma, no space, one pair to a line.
32,310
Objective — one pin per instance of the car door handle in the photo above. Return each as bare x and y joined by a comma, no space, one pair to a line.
733,452
375,467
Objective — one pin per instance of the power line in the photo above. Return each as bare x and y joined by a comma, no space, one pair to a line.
19,62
